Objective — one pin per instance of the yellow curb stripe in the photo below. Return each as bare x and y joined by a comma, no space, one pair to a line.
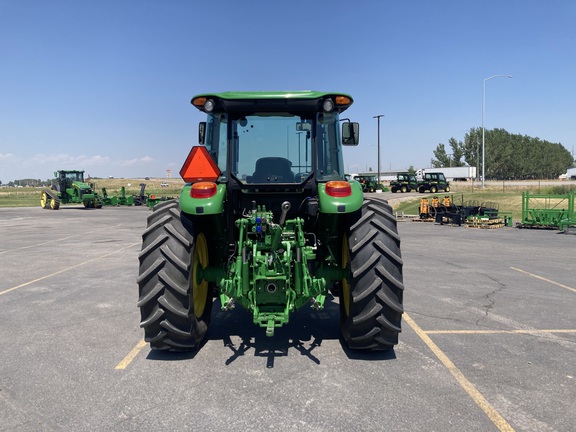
131,355
544,279
476,396
66,269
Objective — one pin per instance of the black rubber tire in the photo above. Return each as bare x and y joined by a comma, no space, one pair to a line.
433,189
403,189
375,284
165,282
447,189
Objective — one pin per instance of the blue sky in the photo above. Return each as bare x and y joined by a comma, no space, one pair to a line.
105,85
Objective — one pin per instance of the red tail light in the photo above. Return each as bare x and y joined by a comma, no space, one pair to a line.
203,190
338,189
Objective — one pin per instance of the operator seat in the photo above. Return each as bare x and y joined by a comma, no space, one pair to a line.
272,169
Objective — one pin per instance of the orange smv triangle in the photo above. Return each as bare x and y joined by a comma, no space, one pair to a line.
199,166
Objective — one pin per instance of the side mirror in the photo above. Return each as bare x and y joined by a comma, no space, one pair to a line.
350,133
201,132
302,127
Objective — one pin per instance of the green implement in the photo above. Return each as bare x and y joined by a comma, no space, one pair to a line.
547,210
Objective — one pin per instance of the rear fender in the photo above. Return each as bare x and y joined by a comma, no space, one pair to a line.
203,206
340,205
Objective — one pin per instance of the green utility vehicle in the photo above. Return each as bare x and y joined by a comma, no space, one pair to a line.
405,182
267,221
433,182
69,187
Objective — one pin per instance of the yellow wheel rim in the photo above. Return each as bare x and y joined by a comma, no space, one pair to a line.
199,290
43,200
345,282
53,204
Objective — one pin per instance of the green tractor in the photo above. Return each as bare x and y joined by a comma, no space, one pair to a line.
368,183
405,182
69,187
267,221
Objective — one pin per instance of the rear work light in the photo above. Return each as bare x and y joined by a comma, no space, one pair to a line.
203,190
338,189
328,105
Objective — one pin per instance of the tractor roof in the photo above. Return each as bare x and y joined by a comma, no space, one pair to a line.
307,100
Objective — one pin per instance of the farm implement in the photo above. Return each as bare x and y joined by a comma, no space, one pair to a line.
549,211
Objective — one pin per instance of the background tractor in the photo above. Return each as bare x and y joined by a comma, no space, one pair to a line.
69,187
368,183
267,221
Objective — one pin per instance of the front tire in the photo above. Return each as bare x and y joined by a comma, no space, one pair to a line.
44,200
372,290
174,307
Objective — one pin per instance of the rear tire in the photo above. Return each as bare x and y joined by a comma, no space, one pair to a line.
169,293
54,203
372,292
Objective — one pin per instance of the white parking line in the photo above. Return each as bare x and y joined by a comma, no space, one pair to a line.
38,244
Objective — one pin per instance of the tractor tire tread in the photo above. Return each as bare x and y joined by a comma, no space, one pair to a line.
376,287
164,284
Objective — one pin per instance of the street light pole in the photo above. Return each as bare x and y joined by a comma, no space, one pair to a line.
483,117
378,178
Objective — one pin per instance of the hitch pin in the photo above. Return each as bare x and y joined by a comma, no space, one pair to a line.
270,328
229,305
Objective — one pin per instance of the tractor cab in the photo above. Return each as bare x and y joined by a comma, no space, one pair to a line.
280,144
65,179
261,139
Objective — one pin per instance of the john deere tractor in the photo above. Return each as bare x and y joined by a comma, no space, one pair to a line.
267,221
69,187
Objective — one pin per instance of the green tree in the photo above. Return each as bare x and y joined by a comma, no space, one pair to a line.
508,156
448,159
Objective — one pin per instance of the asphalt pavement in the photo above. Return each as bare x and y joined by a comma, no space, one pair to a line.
488,341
